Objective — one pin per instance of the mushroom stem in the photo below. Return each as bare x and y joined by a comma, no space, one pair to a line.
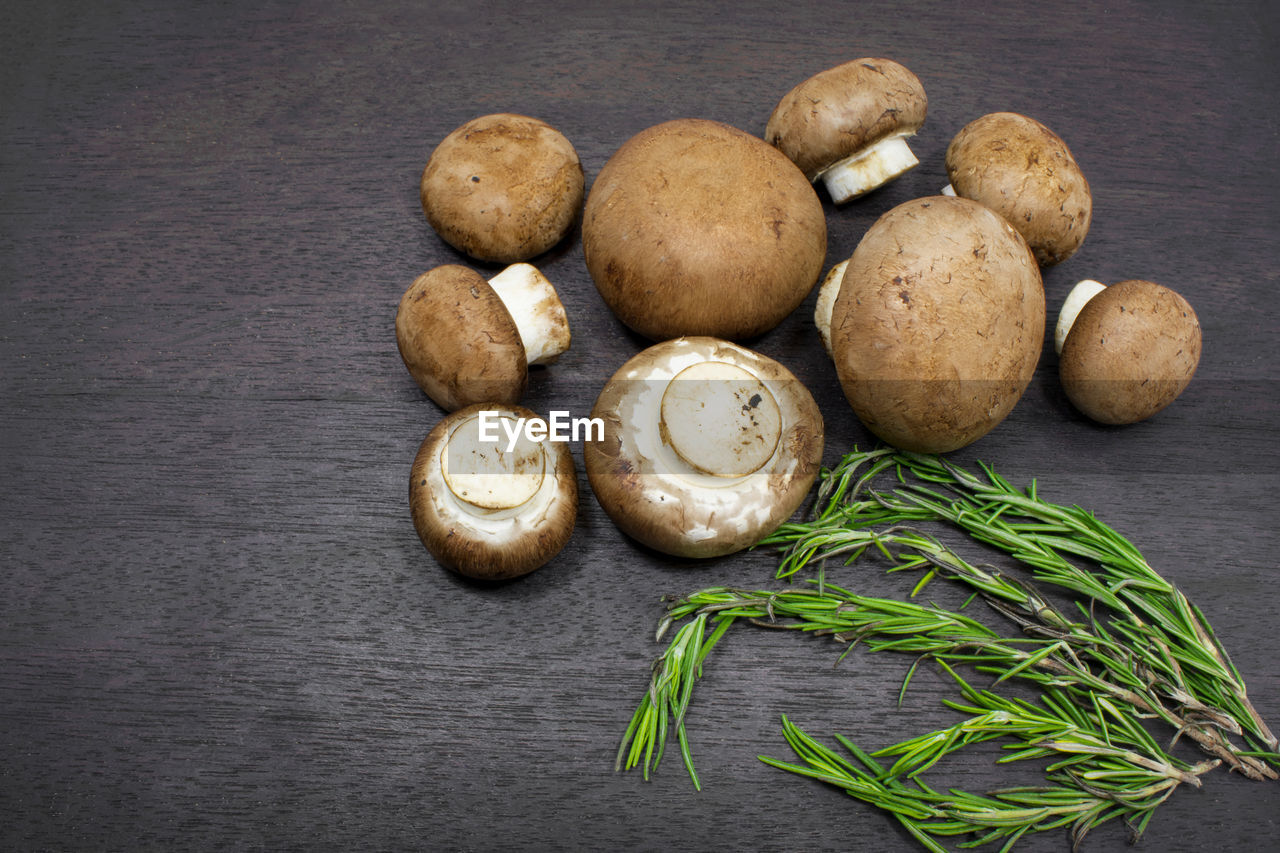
827,293
720,419
535,306
948,190
482,474
867,169
1076,300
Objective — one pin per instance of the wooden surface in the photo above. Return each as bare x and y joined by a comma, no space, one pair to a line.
217,626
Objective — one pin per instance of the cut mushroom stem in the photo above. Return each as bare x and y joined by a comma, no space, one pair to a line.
872,167
720,419
534,305
827,293
948,190
484,475
1076,300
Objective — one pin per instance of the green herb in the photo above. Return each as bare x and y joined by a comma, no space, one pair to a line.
668,698
1099,772
1154,636
1133,649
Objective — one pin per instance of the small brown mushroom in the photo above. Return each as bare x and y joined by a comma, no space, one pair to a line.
466,340
847,126
1130,350
696,228
488,505
503,188
1022,170
707,447
938,324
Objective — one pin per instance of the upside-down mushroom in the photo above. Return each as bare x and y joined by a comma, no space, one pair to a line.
707,447
492,510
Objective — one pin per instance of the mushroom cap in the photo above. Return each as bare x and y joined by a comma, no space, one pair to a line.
689,487
843,110
696,228
491,533
458,340
503,187
1022,170
938,325
1131,351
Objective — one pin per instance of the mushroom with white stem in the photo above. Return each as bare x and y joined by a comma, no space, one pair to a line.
847,126
466,340
697,228
938,324
1024,171
707,447
1128,350
503,187
496,509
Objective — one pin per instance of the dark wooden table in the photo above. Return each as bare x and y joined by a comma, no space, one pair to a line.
217,626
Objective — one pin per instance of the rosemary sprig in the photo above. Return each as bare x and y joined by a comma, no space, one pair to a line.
1105,764
668,697
1099,773
1148,654
1167,642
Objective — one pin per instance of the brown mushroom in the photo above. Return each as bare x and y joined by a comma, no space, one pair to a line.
696,228
1022,170
847,126
466,340
503,187
938,324
1130,351
487,507
707,447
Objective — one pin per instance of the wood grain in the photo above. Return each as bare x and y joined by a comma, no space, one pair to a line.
217,627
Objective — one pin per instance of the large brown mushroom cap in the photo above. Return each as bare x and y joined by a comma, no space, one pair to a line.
844,110
503,187
459,341
487,513
707,447
1022,170
1131,351
938,325
696,228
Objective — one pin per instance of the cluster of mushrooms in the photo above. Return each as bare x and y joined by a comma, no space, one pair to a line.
698,235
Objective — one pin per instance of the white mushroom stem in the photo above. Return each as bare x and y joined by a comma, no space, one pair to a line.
867,169
948,190
535,306
720,419
1076,300
486,475
827,293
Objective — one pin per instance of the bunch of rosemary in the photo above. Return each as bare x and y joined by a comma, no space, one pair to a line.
1149,654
